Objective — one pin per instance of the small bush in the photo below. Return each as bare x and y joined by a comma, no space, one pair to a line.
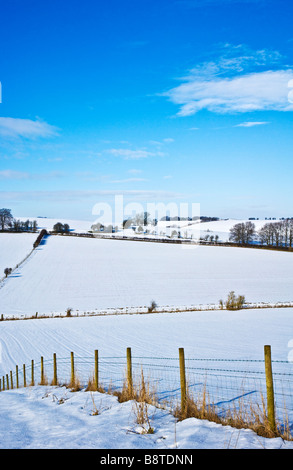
233,302
68,312
7,271
152,307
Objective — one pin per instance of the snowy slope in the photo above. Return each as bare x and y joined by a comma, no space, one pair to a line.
93,274
89,274
218,227
212,334
187,228
79,226
47,417
13,248
55,418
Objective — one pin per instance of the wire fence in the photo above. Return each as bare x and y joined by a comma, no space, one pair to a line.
224,383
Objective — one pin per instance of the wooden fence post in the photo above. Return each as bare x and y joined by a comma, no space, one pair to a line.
42,371
72,381
54,370
11,380
129,371
32,373
96,369
3,382
24,376
16,373
7,382
182,379
270,388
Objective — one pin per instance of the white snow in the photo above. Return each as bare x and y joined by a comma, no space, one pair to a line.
56,418
14,247
225,335
213,334
218,227
93,274
187,228
79,226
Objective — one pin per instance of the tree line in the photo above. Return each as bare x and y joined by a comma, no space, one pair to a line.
9,223
271,234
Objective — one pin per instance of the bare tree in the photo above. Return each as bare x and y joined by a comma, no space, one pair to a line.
277,233
6,218
61,228
243,233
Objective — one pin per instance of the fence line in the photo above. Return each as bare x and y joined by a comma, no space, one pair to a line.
226,382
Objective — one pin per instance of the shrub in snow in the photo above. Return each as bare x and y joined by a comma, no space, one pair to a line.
152,307
233,302
7,271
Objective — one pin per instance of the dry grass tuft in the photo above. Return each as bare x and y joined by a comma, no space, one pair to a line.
44,381
91,386
239,416
141,392
74,385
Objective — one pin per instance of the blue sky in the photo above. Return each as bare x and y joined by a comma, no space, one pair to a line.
158,101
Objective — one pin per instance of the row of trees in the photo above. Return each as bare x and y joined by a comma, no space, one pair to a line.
243,233
277,234
271,234
61,228
144,218
8,222
96,228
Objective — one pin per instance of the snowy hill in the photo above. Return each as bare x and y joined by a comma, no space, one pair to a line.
90,274
14,247
187,228
79,226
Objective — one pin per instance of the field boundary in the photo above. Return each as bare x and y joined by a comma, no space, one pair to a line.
35,245
243,393
71,313
175,241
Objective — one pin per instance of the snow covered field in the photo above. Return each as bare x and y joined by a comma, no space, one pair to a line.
196,229
187,228
13,248
208,334
79,226
90,275
46,417
94,274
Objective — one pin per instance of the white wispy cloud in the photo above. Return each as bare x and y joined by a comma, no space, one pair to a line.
134,171
249,92
23,175
27,128
240,81
128,180
74,195
129,154
13,175
252,123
